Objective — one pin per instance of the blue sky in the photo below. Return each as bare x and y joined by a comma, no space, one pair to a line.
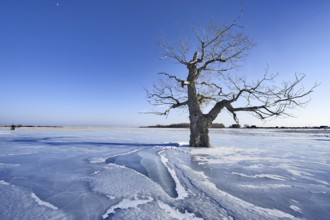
87,62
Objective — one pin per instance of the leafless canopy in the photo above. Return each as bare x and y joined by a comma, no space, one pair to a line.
221,50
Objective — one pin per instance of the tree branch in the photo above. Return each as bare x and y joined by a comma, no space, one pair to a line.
272,103
171,76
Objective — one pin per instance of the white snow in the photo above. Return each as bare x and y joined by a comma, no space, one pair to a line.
97,160
127,203
264,186
269,176
175,214
295,208
43,203
4,182
151,174
110,197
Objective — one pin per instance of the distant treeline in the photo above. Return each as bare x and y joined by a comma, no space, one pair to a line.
182,125
220,125
32,126
285,127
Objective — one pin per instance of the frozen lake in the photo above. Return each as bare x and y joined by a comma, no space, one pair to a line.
150,174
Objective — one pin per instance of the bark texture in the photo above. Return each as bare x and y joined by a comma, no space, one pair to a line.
199,133
199,125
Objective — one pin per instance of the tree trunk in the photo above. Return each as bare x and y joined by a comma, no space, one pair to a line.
199,124
199,133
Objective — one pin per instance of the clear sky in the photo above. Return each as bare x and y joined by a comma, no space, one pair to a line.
87,62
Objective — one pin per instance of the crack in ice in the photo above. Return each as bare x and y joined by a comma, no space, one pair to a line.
182,193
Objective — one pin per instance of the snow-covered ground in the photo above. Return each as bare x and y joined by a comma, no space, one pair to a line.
150,174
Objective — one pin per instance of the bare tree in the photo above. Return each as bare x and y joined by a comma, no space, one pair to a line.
210,81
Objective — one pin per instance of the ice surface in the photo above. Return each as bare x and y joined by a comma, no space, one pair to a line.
42,203
19,203
181,191
127,203
151,174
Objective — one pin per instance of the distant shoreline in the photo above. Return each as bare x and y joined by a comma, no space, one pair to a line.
182,125
221,126
179,125
32,126
42,127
